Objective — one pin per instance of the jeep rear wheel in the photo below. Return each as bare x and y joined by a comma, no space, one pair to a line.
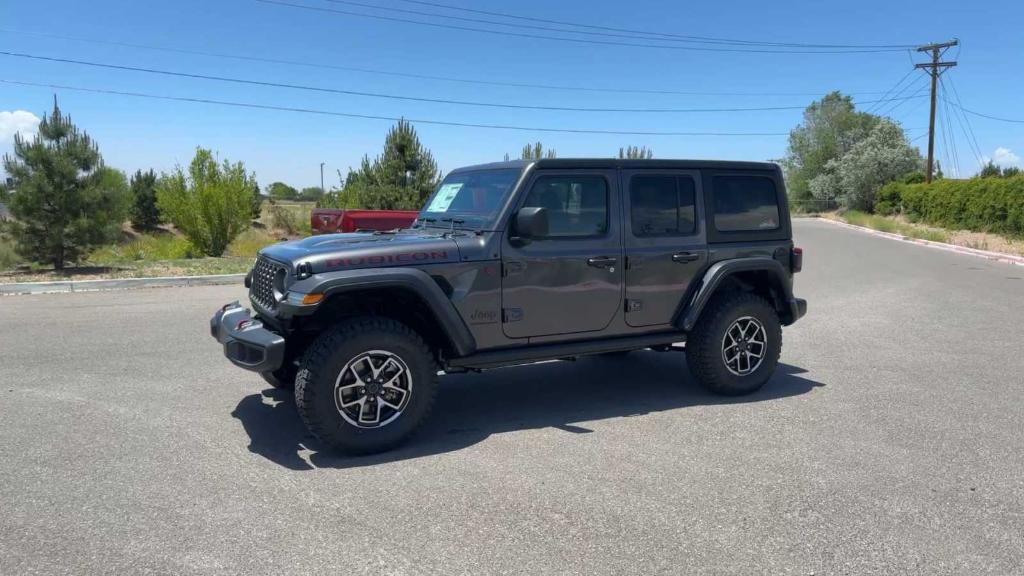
366,385
735,346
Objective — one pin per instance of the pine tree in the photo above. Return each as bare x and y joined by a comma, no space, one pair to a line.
145,213
536,151
63,200
636,153
257,201
401,178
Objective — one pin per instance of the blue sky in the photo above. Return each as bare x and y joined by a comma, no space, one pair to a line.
142,133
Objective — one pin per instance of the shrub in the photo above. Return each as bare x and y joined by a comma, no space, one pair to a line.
283,219
211,204
979,204
8,256
887,201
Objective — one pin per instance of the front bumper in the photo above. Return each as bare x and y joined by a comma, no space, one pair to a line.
247,344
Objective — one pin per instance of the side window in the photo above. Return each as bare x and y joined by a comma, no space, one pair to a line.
745,204
662,205
577,206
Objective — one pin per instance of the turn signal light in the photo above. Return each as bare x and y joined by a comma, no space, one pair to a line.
312,298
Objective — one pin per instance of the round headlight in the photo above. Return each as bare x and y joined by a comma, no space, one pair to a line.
280,278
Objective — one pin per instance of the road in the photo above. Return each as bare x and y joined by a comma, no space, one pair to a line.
889,442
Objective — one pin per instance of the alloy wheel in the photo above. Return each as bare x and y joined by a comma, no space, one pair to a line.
373,389
744,346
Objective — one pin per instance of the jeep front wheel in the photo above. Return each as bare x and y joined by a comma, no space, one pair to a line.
366,385
735,346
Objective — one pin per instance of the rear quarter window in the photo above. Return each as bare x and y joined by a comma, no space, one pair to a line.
745,204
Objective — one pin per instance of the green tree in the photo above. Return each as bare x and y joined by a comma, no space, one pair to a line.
1011,172
282,191
145,213
64,201
211,203
257,201
400,178
990,170
536,151
311,194
636,153
830,128
856,177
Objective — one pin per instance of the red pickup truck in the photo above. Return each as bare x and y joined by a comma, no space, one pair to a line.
330,221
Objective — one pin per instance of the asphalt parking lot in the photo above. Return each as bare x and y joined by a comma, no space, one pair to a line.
890,442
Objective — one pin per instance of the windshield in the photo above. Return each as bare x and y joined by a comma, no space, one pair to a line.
472,197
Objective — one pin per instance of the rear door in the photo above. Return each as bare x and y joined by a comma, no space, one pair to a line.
665,242
569,282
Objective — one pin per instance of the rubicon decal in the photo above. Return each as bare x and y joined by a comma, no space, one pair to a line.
378,259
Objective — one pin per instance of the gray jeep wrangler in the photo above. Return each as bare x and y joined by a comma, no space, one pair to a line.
520,262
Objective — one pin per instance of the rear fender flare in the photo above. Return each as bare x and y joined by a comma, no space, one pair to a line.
718,272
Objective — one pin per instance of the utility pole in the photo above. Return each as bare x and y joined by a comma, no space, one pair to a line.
322,189
934,68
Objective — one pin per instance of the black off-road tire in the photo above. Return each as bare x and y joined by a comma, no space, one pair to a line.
283,378
704,344
322,363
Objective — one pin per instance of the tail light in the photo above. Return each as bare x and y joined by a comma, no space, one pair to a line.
796,260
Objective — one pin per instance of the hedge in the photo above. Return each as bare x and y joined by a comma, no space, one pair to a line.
979,204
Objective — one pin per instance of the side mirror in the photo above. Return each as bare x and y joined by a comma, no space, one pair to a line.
530,223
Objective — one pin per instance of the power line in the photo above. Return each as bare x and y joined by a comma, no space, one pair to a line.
322,66
960,118
604,33
947,128
898,99
648,33
563,39
376,117
990,117
972,139
393,96
897,85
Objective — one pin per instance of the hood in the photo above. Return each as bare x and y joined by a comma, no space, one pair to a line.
366,250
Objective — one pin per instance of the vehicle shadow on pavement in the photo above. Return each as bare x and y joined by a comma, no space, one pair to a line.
472,407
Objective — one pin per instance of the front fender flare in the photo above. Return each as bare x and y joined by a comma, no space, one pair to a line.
415,280
719,271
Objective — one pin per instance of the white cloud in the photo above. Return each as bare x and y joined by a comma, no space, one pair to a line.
15,122
1004,157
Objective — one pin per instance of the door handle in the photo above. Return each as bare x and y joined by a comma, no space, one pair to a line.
601,261
685,257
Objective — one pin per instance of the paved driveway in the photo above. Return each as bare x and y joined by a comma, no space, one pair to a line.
891,441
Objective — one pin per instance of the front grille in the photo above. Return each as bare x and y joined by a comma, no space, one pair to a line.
262,289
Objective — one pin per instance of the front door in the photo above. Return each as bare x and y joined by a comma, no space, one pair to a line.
571,280
665,243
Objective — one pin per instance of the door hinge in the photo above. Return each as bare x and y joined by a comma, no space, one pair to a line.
511,314
510,268
634,305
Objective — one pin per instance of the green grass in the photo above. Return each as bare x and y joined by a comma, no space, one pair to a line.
885,224
144,248
249,243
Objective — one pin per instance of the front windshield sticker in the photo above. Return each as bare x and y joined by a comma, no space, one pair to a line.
444,197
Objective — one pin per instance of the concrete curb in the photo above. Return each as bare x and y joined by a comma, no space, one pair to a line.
996,256
117,284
